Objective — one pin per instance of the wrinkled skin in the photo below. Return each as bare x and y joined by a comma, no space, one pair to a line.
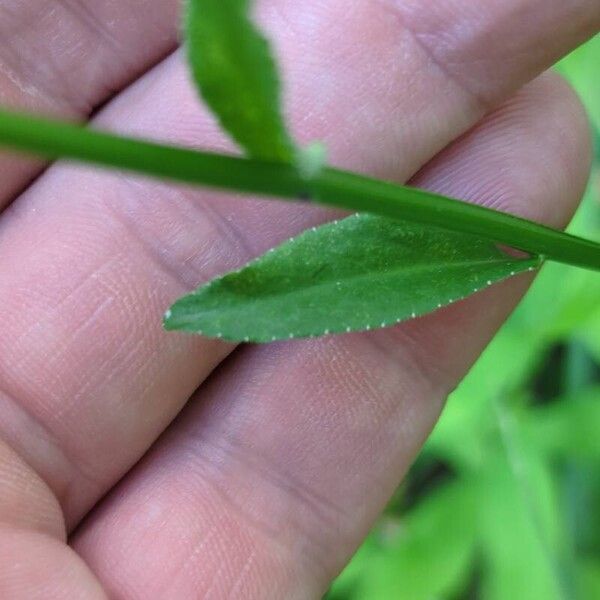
140,464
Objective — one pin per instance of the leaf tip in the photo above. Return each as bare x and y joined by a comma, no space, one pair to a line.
311,160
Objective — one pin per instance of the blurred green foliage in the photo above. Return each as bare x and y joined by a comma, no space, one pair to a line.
504,501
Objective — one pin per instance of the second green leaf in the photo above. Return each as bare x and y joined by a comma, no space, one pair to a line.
234,69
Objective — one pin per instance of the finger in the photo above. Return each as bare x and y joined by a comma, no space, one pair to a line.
486,47
35,561
26,502
559,117
271,477
86,256
38,567
68,57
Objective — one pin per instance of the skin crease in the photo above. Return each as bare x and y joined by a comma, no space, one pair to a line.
268,480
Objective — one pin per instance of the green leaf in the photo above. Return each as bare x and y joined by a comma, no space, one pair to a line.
234,69
364,272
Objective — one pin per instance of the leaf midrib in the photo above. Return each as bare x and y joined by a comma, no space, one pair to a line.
412,269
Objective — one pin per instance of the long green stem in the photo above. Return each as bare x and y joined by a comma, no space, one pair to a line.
332,187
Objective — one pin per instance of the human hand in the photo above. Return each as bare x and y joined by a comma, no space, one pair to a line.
281,456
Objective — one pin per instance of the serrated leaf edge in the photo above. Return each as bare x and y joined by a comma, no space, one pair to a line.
528,265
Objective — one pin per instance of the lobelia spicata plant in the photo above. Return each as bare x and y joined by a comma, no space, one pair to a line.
406,253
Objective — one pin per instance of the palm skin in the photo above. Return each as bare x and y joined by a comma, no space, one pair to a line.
140,464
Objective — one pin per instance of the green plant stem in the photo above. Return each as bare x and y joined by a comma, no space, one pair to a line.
332,187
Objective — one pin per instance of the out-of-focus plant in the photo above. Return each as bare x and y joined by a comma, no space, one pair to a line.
504,502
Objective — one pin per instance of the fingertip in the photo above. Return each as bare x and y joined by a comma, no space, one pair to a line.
574,153
530,157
